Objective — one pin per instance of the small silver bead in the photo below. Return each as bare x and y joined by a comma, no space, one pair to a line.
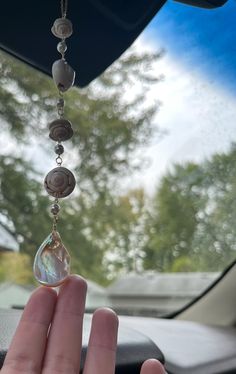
62,47
55,209
59,149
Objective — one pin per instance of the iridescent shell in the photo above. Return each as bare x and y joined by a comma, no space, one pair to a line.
52,261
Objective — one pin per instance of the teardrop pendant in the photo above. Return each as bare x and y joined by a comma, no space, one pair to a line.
52,261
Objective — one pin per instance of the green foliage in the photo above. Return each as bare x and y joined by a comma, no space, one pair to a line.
173,219
15,268
108,129
183,264
187,226
191,226
22,204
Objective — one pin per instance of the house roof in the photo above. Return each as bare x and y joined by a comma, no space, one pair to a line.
16,295
7,241
151,284
12,295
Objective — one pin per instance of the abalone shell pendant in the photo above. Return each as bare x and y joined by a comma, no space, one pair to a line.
52,261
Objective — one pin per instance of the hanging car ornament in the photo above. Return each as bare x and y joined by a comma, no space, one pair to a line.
52,260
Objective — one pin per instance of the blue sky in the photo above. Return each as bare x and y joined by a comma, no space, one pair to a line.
198,94
204,38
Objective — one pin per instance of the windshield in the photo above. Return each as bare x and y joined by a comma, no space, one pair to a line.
151,222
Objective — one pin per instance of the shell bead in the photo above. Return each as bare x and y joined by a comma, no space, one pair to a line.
59,182
62,28
60,130
63,75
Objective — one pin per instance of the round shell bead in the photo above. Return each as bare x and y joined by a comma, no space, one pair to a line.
60,130
62,28
59,182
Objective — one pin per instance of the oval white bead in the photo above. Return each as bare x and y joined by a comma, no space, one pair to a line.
63,75
62,28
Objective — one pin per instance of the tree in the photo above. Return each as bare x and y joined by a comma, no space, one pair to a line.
191,225
108,129
173,218
216,229
124,233
15,267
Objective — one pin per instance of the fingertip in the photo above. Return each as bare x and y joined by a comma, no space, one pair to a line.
76,278
43,291
104,328
152,366
40,305
43,295
76,281
72,295
106,316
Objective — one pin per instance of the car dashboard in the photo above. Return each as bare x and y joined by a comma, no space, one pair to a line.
185,347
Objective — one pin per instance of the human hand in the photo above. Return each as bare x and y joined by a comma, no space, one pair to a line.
36,349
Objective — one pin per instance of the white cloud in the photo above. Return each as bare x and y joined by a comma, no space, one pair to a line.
198,114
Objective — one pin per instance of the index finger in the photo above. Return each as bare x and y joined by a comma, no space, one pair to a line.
65,337
27,348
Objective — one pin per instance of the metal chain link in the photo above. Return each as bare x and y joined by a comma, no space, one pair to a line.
59,160
64,6
54,223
